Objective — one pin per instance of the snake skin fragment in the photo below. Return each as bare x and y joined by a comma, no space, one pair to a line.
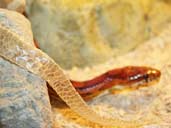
14,49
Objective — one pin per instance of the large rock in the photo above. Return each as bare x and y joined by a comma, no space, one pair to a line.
24,101
84,33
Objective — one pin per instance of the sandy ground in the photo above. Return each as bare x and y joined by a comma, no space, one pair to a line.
153,102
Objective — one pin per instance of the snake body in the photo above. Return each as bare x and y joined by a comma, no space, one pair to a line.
14,49
119,79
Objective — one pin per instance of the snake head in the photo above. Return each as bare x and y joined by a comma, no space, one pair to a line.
142,76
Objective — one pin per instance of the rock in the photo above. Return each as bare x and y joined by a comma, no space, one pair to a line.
86,33
16,5
24,101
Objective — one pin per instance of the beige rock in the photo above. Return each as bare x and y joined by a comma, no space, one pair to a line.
84,33
16,5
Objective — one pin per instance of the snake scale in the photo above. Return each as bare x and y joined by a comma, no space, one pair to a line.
14,49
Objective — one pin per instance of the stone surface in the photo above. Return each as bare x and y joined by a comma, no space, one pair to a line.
24,101
84,33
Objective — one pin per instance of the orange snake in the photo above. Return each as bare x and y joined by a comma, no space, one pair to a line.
129,77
